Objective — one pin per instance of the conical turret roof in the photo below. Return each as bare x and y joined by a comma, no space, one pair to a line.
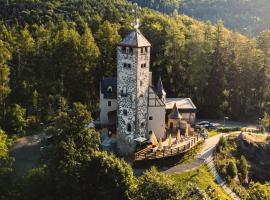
135,39
160,90
174,113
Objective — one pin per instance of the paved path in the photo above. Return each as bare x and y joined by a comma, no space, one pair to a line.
206,151
26,152
205,156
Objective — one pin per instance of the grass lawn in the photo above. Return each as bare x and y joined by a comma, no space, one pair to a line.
205,181
189,156
212,133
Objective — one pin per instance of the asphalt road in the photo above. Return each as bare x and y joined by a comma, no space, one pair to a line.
26,152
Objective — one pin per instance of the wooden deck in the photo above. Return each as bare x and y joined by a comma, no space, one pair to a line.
149,154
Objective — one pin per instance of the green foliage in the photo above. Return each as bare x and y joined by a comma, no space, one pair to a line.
3,144
258,191
194,193
232,169
156,186
243,167
6,167
73,140
221,144
16,121
265,121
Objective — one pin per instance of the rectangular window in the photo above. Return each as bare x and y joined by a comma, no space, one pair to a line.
127,50
109,103
141,50
150,118
127,65
143,65
146,49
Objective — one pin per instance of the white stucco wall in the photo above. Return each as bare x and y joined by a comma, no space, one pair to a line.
158,123
104,109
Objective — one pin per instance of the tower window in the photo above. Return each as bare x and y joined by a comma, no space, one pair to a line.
142,124
141,95
141,83
125,112
127,50
109,89
124,92
127,65
146,49
141,50
151,118
143,65
128,127
109,103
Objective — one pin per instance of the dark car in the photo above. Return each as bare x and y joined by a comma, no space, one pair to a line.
207,125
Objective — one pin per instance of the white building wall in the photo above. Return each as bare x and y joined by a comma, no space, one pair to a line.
157,124
105,109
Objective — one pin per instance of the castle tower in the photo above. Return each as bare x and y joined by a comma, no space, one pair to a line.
133,59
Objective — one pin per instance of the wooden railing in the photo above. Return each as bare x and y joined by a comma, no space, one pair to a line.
148,154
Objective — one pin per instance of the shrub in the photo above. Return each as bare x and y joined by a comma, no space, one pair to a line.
229,129
243,167
232,169
221,144
258,191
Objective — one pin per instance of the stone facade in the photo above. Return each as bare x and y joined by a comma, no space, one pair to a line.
132,96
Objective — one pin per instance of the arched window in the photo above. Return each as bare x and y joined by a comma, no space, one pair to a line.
142,124
124,91
128,127
109,88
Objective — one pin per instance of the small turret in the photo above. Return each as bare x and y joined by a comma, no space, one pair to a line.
160,90
174,113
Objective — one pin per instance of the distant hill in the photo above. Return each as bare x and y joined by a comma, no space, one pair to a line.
249,17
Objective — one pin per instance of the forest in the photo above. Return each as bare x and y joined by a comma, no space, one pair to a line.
52,57
61,49
247,17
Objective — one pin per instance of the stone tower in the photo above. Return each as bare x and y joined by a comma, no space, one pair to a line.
133,59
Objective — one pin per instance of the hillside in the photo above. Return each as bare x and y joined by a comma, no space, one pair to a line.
198,60
249,17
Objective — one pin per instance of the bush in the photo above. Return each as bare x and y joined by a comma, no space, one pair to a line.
258,191
227,129
221,144
232,169
156,186
243,167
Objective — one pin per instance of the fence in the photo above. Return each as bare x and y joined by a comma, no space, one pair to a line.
148,154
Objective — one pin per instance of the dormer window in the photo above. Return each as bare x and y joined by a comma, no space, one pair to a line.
109,89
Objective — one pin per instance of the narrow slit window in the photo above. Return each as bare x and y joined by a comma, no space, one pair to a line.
129,127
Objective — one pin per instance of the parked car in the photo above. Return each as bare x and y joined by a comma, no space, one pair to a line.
207,125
